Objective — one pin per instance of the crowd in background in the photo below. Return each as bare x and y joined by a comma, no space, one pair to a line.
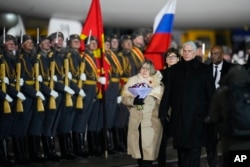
55,94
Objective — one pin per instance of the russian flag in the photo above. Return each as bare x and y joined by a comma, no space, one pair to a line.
161,39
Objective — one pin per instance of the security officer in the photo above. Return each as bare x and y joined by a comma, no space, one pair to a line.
56,56
23,119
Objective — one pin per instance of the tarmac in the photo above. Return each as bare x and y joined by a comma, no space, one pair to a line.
120,160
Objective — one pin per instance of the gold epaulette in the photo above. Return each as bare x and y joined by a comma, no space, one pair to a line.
50,54
38,56
68,55
20,56
120,54
82,54
108,52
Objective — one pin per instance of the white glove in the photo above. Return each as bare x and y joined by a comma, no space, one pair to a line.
39,94
8,98
82,93
55,78
83,77
6,80
21,96
69,75
119,99
102,80
54,94
40,78
21,82
69,90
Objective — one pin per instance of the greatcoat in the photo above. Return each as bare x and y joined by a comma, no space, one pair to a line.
147,118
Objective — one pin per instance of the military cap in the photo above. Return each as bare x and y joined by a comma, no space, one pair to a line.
136,34
42,38
147,31
73,36
114,36
55,34
26,37
125,37
91,38
7,38
107,39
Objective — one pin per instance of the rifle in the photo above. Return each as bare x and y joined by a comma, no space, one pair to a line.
69,102
79,102
6,104
52,100
19,103
40,107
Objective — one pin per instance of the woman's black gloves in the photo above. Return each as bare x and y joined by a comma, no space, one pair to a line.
138,101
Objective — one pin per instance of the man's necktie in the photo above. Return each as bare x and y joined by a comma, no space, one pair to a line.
215,73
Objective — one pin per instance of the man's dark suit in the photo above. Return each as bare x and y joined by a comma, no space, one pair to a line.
211,133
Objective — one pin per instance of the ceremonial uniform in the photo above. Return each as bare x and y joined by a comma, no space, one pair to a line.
112,98
92,90
6,120
23,119
59,125
129,69
51,103
6,116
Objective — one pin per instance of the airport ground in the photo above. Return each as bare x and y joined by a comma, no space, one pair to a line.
120,160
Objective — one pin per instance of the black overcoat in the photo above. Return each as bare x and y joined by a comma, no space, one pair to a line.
188,92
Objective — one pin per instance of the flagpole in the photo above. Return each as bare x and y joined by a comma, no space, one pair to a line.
104,111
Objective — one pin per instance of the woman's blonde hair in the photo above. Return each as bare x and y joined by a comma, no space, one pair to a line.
150,66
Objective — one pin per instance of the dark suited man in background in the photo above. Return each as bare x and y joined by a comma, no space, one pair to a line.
219,68
188,92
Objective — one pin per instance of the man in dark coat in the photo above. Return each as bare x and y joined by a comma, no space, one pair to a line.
188,92
219,68
220,109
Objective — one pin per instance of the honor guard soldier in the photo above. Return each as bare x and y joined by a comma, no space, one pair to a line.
56,57
8,61
42,120
138,46
35,127
112,96
147,35
129,65
90,87
68,117
25,77
76,68
5,114
114,43
47,68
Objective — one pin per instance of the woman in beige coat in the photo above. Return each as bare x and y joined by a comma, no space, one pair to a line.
144,129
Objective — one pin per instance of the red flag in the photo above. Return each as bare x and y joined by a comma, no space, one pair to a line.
161,38
93,26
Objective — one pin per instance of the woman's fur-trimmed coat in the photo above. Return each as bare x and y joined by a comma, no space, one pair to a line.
151,128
